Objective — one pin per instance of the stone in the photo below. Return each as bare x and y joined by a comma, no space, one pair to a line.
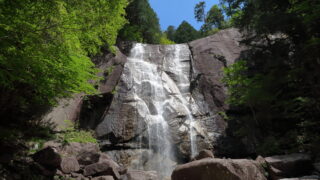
47,157
86,158
209,169
99,169
313,177
316,166
204,154
67,108
105,158
75,148
103,178
291,165
69,164
43,170
140,175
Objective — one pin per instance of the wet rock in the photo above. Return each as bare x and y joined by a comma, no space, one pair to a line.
204,154
209,169
47,157
69,164
140,175
291,165
100,169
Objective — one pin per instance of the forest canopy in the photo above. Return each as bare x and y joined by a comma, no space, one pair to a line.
45,48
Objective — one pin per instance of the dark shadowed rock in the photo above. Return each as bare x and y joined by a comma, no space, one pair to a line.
69,164
292,165
204,154
100,169
219,169
48,157
140,175
39,169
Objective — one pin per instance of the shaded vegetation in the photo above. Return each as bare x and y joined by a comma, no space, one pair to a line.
276,86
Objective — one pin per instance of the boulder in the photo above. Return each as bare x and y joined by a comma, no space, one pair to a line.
69,164
103,178
39,169
316,166
48,157
86,158
140,175
220,169
75,148
204,154
313,177
100,169
291,165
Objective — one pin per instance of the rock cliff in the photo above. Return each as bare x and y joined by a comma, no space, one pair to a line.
158,103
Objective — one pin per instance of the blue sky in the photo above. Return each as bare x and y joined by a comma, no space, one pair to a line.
173,12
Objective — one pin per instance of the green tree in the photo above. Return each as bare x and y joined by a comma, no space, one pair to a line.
143,23
199,11
283,71
45,48
213,20
185,33
170,32
215,17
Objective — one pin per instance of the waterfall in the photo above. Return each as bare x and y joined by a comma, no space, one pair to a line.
157,88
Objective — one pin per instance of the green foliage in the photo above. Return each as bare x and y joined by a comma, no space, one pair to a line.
215,17
170,32
213,20
185,33
199,11
75,135
45,48
278,84
165,40
143,23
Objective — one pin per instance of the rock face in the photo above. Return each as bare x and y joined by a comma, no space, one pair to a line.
174,90
221,169
210,56
159,103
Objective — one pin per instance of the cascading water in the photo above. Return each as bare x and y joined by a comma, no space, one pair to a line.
149,91
157,89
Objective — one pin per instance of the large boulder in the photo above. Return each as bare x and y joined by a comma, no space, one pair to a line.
140,175
100,169
313,177
219,169
86,158
292,165
48,157
75,148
